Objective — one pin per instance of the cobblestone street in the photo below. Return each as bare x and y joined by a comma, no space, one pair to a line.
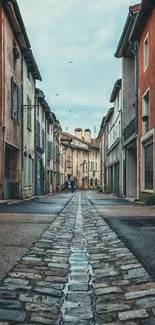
78,273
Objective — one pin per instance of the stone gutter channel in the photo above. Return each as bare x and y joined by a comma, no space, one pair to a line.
77,305
78,273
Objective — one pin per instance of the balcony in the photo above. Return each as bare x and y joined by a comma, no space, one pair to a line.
130,129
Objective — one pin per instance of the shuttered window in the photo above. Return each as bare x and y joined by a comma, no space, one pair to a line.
43,139
28,113
149,166
29,171
15,101
38,134
49,150
18,106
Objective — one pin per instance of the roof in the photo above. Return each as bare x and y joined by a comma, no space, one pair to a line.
101,127
110,112
16,21
124,39
115,90
141,19
78,129
32,65
93,143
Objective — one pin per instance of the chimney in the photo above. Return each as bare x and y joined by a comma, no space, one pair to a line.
87,135
78,133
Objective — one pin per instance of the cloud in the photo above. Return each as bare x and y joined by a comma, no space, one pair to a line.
86,32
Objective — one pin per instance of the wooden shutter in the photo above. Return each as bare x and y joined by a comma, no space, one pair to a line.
12,98
18,106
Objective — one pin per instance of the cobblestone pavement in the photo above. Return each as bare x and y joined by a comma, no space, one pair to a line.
78,273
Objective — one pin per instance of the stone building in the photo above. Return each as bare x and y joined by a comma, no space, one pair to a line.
13,43
30,75
144,37
114,157
125,51
81,158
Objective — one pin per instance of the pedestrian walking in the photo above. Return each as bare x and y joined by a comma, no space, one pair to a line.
72,185
66,185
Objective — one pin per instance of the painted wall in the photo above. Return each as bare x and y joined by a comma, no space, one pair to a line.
28,134
146,80
12,130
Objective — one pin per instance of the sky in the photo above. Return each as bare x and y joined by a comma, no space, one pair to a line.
86,32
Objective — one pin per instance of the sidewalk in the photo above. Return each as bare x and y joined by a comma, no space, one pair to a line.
15,201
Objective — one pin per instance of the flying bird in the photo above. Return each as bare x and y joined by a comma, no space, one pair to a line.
71,61
57,94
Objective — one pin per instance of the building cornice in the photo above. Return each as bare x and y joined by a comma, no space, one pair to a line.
124,39
115,90
13,12
143,15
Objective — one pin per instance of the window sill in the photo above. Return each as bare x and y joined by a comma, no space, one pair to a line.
148,191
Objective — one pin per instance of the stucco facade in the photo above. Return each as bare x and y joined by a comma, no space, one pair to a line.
114,160
127,52
13,45
143,33
30,74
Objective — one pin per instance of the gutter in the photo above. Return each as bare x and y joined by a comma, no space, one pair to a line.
17,23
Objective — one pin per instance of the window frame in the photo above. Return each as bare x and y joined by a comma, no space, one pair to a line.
146,52
29,114
146,145
146,124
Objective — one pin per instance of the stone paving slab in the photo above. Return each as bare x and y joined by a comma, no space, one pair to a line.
78,273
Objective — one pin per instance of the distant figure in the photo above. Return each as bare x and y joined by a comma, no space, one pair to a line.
66,185
72,182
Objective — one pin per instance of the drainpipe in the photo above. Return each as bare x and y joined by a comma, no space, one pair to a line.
134,47
22,122
3,161
121,150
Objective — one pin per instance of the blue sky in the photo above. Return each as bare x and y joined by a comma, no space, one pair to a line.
86,31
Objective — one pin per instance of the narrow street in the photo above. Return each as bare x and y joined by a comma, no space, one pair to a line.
78,272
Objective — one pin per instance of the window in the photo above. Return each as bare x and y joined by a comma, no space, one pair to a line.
51,177
91,182
43,115
28,113
146,111
30,171
28,73
96,167
146,52
48,127
15,101
49,150
148,168
38,134
37,108
96,154
43,139
25,169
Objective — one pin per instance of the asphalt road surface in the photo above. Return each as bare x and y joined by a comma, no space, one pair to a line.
42,205
22,224
136,231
